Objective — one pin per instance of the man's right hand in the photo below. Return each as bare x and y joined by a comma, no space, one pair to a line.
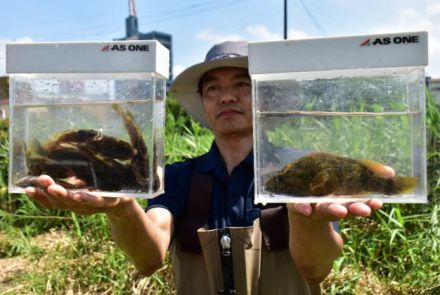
54,196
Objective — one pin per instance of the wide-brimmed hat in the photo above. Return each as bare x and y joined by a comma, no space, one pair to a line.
185,86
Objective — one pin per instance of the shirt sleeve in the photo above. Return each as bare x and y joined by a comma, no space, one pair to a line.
175,197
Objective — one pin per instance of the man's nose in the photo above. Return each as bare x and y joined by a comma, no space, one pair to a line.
228,95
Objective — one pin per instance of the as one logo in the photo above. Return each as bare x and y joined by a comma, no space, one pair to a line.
126,47
106,48
391,40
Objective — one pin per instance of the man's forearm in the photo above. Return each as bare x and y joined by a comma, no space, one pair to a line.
138,236
314,246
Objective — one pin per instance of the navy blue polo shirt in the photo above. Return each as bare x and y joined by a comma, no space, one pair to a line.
232,200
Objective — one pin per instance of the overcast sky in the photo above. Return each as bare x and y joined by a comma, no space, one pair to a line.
198,24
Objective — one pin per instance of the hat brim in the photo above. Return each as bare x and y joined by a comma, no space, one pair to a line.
185,86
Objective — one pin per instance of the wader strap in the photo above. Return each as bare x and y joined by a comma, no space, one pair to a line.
274,227
226,261
197,212
273,217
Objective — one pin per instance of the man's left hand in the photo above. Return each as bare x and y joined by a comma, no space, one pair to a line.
335,211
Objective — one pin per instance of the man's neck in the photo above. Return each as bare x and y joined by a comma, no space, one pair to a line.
234,149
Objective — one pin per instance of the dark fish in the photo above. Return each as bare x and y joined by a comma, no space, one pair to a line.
32,181
68,159
139,161
81,135
38,165
321,174
94,140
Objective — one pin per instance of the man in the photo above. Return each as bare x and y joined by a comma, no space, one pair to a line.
217,92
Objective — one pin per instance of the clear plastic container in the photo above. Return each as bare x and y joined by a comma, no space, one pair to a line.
321,128
95,131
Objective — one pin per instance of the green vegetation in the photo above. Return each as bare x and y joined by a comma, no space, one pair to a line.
396,251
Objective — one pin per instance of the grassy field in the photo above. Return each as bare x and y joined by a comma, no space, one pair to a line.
396,251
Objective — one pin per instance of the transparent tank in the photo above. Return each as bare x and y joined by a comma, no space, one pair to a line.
319,135
100,132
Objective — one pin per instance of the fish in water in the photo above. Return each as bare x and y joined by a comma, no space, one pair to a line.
93,140
322,174
140,160
33,181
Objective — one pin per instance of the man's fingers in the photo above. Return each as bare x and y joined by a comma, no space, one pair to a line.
388,172
375,204
301,208
384,171
324,211
359,209
58,191
45,180
364,209
335,211
331,211
80,202
30,191
53,196
39,196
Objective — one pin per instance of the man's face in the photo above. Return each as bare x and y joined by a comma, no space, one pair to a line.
227,101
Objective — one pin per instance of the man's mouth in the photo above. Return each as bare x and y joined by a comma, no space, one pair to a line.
229,113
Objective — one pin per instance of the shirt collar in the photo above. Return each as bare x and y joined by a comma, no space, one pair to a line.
212,160
249,158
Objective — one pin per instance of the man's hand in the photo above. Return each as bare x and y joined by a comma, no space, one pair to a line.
53,196
335,211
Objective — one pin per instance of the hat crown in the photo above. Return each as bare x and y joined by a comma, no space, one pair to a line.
227,49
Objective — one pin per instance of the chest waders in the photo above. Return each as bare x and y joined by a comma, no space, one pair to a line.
235,260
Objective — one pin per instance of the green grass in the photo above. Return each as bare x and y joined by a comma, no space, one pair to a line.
396,251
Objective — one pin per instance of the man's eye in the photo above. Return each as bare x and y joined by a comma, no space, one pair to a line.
243,84
211,88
